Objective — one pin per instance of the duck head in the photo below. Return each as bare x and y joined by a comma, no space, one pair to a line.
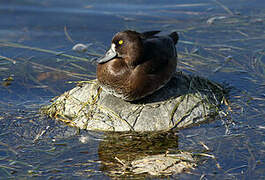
127,46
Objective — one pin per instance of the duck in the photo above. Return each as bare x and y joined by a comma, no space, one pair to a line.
137,64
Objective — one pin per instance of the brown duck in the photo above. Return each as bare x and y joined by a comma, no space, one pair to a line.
137,64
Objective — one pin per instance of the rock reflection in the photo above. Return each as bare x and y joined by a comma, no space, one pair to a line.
138,154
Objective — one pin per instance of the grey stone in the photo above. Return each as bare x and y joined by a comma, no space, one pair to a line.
185,101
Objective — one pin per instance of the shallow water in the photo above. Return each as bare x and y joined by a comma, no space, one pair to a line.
220,40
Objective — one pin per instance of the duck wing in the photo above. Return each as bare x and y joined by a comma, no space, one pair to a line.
159,50
149,34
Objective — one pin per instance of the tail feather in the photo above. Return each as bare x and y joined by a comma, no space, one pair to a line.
175,37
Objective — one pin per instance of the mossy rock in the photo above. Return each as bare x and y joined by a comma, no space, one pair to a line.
185,101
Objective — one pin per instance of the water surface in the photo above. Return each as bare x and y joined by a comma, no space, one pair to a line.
221,40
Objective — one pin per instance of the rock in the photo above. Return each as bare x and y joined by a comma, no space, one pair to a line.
185,101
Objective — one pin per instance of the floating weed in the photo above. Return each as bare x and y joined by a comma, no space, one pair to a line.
16,45
8,59
67,34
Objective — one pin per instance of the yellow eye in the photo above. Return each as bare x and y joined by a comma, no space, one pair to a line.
120,42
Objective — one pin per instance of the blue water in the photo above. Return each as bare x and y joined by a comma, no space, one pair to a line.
210,32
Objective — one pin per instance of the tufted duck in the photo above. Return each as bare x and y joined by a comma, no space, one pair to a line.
137,64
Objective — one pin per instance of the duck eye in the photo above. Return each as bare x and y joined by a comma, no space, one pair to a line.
120,42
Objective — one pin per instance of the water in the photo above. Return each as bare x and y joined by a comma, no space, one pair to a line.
220,40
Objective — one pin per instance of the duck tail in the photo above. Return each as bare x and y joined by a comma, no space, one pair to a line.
175,37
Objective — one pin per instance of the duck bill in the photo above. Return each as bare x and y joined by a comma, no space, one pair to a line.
110,54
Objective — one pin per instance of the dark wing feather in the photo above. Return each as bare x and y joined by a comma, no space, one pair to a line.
158,52
148,34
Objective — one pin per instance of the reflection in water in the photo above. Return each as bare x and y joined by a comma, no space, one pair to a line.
125,154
